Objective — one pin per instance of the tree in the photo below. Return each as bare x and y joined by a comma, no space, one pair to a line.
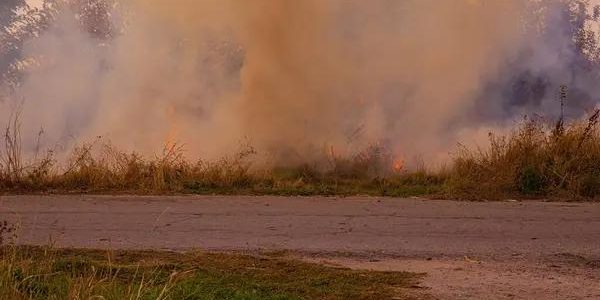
9,10
9,14
94,16
18,23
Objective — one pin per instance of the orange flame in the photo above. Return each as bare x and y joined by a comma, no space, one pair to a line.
171,138
398,165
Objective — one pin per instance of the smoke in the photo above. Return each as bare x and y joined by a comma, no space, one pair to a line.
299,79
564,53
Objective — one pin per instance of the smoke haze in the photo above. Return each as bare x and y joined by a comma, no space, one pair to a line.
299,79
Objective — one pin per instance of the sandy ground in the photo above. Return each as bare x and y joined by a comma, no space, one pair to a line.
495,250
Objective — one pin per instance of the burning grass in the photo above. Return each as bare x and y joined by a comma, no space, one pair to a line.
538,159
101,168
108,171
46,273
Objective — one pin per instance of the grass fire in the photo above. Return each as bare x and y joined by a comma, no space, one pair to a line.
359,134
108,95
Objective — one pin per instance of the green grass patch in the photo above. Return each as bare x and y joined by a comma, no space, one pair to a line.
40,273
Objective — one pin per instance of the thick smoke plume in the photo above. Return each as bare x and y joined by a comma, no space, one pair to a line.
298,79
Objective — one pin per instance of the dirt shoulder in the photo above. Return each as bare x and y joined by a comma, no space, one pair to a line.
553,277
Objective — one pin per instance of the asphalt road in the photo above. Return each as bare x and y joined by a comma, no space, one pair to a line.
493,250
357,224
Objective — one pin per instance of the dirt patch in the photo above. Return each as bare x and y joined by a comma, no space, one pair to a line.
471,278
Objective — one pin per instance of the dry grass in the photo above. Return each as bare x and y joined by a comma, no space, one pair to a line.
539,159
101,168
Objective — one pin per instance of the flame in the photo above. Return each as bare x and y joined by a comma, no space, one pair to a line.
173,133
398,165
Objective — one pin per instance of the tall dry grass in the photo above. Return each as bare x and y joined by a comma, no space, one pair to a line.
99,167
538,159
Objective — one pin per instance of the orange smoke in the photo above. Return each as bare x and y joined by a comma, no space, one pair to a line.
311,74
